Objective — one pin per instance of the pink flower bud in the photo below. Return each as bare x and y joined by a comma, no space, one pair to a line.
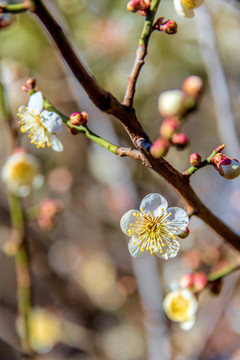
159,147
169,127
200,281
79,118
193,86
48,209
186,281
228,168
136,5
180,140
169,26
195,159
171,103
184,234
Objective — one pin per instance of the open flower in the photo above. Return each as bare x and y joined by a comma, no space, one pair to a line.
186,7
41,125
21,172
153,229
181,305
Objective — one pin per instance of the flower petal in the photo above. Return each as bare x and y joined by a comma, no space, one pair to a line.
51,121
35,103
128,219
56,144
187,325
135,249
178,221
169,251
182,11
155,203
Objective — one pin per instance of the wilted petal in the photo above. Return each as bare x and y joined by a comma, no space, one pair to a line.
154,203
51,121
169,251
135,249
35,103
56,144
178,221
128,219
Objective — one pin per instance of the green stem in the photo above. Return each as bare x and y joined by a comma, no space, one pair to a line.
15,8
223,272
147,28
205,162
22,269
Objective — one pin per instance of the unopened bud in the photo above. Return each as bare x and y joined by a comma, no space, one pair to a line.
136,5
31,83
171,103
24,88
184,234
169,127
193,86
195,159
228,168
79,118
186,281
180,140
200,281
169,26
159,148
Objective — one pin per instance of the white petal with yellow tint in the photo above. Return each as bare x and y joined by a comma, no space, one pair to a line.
178,220
35,103
135,248
51,121
169,251
127,219
154,203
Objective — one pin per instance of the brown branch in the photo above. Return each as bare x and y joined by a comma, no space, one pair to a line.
108,103
135,154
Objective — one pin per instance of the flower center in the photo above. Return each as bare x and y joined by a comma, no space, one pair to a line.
152,233
23,173
189,4
180,308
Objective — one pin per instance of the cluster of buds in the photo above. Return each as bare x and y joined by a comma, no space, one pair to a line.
169,26
30,85
48,209
79,118
139,5
227,167
173,106
195,282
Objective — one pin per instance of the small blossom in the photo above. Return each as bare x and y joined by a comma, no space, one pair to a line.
180,306
153,229
193,86
41,125
159,147
195,159
44,329
228,168
21,172
171,103
186,7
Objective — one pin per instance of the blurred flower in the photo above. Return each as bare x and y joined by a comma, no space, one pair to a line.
159,147
180,141
21,172
48,209
186,7
171,103
180,306
193,86
153,229
41,125
169,127
44,329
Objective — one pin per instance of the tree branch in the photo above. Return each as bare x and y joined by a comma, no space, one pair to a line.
108,103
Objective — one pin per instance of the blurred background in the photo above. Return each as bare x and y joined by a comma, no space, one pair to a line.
105,305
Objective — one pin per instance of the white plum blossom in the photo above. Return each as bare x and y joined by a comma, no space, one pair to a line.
180,305
186,7
154,228
20,173
41,125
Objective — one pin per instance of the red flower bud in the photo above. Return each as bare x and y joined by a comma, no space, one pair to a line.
159,147
193,86
195,159
184,234
186,281
200,281
136,5
169,127
180,140
169,26
79,118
